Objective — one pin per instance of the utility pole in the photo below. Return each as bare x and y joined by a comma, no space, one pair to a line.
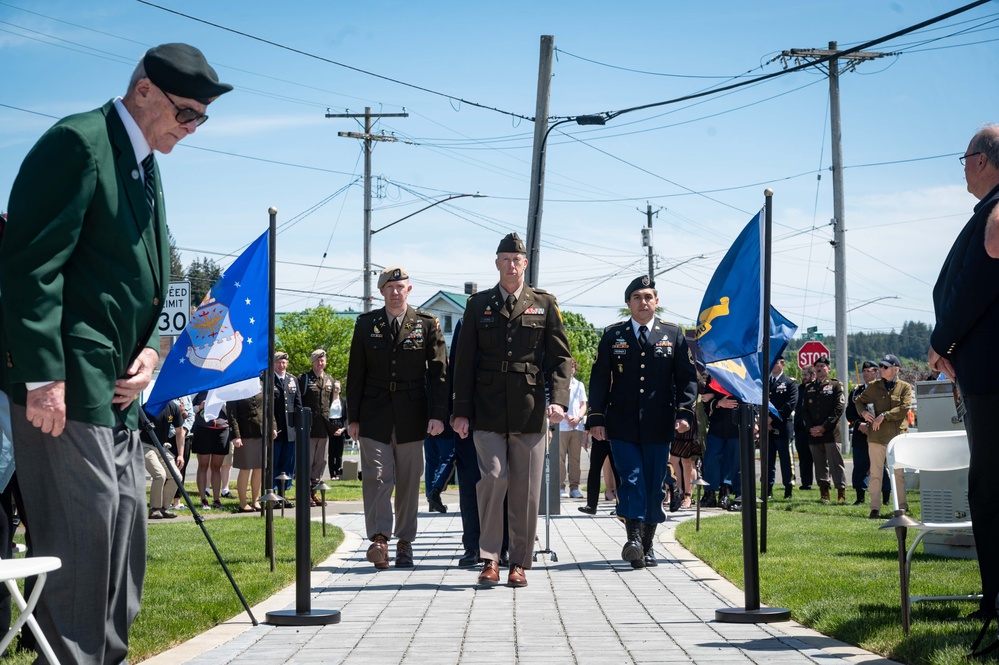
538,162
647,238
368,138
839,216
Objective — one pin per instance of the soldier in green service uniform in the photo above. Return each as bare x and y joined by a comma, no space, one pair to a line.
825,402
396,395
512,342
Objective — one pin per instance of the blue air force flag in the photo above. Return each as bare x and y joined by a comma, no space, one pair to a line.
226,339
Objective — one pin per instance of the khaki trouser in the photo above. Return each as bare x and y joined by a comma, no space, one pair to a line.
318,458
878,453
388,466
828,459
163,486
511,466
571,445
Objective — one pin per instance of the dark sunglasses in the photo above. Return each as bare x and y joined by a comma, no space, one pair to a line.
186,114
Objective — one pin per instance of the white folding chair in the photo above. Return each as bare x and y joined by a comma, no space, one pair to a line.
925,451
12,570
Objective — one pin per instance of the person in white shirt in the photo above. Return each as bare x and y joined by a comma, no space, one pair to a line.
572,435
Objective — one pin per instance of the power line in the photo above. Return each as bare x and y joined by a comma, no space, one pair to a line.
639,71
334,62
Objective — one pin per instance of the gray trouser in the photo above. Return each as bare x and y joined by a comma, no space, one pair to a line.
388,466
317,464
511,467
85,502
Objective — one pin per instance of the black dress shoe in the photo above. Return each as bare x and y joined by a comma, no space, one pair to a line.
468,559
805,487
435,503
589,510
675,499
788,491
504,558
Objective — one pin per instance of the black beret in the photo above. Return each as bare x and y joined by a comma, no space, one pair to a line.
511,243
181,69
868,365
642,282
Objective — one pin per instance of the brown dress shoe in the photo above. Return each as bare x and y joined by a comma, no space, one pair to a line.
516,578
490,573
841,496
378,552
403,554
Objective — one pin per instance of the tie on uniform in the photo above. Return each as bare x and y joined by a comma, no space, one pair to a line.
511,302
773,382
149,169
395,328
643,336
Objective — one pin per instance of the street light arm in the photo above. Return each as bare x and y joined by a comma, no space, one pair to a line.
435,203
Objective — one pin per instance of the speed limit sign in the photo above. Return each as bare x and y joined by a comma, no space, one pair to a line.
176,309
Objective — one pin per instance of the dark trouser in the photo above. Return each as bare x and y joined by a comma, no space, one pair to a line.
6,551
336,455
806,466
438,451
980,424
862,467
721,463
89,604
599,451
183,472
284,461
780,445
643,470
468,476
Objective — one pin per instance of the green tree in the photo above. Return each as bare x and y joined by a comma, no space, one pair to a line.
583,340
299,333
176,265
202,274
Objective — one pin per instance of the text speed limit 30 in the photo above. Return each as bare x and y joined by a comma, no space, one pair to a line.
176,309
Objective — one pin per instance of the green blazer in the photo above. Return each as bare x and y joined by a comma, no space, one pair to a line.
84,266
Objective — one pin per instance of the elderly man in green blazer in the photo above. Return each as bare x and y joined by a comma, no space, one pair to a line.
84,269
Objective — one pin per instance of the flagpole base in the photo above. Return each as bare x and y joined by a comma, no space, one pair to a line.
310,618
742,615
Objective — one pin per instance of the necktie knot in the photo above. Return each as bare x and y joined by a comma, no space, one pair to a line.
511,302
643,335
395,327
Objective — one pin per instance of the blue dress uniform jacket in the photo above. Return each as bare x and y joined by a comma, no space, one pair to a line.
636,394
784,397
396,383
504,359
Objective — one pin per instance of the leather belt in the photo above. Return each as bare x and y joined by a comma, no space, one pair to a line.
507,366
394,386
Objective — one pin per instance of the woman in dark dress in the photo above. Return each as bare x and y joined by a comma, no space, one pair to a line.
211,445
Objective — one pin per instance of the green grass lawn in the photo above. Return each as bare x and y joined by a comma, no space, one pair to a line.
186,591
838,574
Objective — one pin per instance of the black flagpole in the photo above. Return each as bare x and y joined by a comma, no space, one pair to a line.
268,398
752,612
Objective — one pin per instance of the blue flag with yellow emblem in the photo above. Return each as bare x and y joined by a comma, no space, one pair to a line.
729,329
226,338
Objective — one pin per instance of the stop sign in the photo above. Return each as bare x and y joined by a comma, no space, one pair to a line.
810,352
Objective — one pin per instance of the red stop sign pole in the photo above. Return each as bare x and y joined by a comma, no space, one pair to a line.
810,352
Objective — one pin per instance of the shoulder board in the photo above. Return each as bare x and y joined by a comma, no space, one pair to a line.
425,314
669,323
542,291
366,314
617,325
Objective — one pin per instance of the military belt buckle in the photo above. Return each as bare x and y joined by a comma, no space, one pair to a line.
504,366
391,386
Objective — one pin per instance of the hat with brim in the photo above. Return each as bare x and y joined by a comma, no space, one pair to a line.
182,70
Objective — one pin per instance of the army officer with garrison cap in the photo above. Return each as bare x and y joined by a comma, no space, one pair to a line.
512,342
396,395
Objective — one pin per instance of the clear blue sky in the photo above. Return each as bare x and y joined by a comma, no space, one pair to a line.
269,144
